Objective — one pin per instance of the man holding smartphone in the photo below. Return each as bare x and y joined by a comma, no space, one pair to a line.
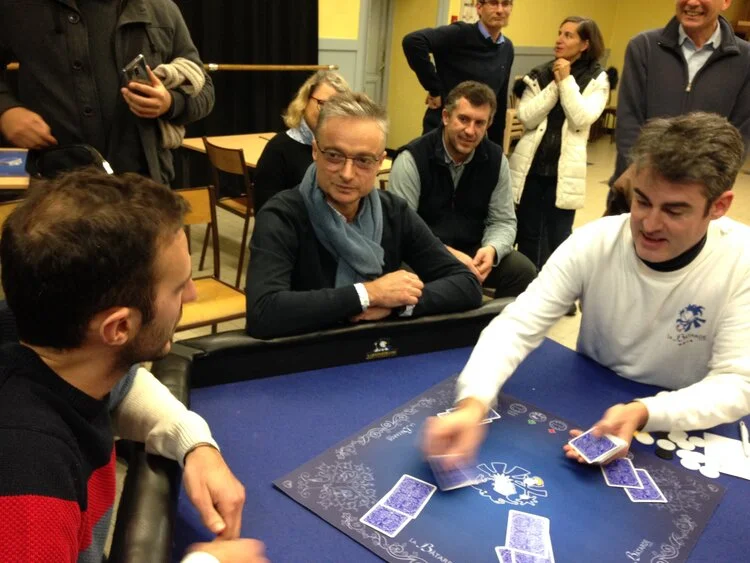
71,88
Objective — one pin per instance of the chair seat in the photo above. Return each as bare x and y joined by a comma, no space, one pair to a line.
217,302
237,205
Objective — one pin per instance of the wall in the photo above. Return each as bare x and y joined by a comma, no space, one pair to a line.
338,19
405,94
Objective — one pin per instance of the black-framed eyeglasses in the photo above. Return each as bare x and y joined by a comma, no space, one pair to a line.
320,102
336,159
498,3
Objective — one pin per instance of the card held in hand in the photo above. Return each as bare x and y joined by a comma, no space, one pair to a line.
597,450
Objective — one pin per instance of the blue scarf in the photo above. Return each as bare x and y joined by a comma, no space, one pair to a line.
302,134
355,245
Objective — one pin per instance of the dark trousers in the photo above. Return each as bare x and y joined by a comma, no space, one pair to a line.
511,276
542,227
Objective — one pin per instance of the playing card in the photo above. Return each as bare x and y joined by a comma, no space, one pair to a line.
447,411
527,532
649,491
491,415
385,520
523,557
504,554
621,473
409,495
597,450
461,475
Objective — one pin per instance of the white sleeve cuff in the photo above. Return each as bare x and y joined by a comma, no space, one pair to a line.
364,298
199,557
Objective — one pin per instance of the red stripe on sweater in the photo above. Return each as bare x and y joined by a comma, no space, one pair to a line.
101,495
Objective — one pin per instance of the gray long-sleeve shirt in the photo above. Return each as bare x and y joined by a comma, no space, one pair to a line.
500,224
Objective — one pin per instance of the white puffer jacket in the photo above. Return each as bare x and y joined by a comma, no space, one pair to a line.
581,110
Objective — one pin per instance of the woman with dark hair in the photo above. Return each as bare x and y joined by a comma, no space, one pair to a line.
287,156
560,100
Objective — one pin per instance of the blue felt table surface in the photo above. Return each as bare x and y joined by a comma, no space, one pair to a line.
268,427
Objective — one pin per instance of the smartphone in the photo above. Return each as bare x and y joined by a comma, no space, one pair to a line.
135,71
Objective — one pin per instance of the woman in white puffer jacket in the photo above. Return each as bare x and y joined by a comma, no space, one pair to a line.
560,100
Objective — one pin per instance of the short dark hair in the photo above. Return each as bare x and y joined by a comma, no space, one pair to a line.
80,244
696,147
588,31
476,93
357,105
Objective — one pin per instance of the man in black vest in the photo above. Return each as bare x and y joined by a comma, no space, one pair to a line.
458,181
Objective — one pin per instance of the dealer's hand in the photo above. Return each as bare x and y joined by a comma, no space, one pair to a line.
233,551
457,433
144,100
483,260
215,491
621,420
25,129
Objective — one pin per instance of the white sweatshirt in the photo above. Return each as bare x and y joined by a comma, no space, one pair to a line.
687,330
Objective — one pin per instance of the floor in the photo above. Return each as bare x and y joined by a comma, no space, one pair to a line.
601,158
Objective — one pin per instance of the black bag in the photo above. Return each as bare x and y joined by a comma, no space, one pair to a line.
48,163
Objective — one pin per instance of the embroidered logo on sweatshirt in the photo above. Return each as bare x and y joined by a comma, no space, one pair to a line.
689,320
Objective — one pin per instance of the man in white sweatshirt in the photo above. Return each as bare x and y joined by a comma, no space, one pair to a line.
675,264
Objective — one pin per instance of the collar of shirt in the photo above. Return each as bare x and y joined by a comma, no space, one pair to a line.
486,34
449,160
302,134
713,42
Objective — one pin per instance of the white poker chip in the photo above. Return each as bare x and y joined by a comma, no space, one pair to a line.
666,445
710,472
677,435
644,438
697,441
685,454
685,445
691,464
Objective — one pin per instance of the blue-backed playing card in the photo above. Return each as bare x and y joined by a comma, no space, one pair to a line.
528,533
385,520
454,475
409,495
597,450
649,492
621,473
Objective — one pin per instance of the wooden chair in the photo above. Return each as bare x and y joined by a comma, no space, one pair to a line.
232,161
217,301
513,129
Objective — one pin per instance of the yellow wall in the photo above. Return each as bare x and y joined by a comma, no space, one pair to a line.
405,95
338,19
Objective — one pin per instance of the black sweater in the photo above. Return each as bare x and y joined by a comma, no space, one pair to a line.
461,53
281,167
291,276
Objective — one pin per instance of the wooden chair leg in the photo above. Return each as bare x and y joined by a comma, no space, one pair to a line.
205,246
243,248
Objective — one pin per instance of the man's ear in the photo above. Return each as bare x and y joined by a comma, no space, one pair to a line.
721,206
117,326
446,117
315,149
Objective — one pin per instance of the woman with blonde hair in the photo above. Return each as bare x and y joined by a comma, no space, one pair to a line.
560,100
287,156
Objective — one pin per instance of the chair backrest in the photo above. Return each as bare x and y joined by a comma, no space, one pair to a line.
6,208
203,212
231,161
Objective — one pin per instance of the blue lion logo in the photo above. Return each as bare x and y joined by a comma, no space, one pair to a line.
690,317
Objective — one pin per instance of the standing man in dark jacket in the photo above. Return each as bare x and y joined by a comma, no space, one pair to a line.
463,51
70,87
695,63
458,181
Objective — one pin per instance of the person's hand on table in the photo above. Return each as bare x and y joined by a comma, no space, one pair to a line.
214,491
483,260
466,260
372,314
233,551
147,100
394,290
433,102
26,129
456,434
621,420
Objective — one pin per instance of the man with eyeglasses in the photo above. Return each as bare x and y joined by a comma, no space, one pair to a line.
463,51
330,251
458,181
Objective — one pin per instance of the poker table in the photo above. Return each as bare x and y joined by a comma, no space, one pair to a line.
270,416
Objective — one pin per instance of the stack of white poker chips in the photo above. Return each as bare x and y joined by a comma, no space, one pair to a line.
681,444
